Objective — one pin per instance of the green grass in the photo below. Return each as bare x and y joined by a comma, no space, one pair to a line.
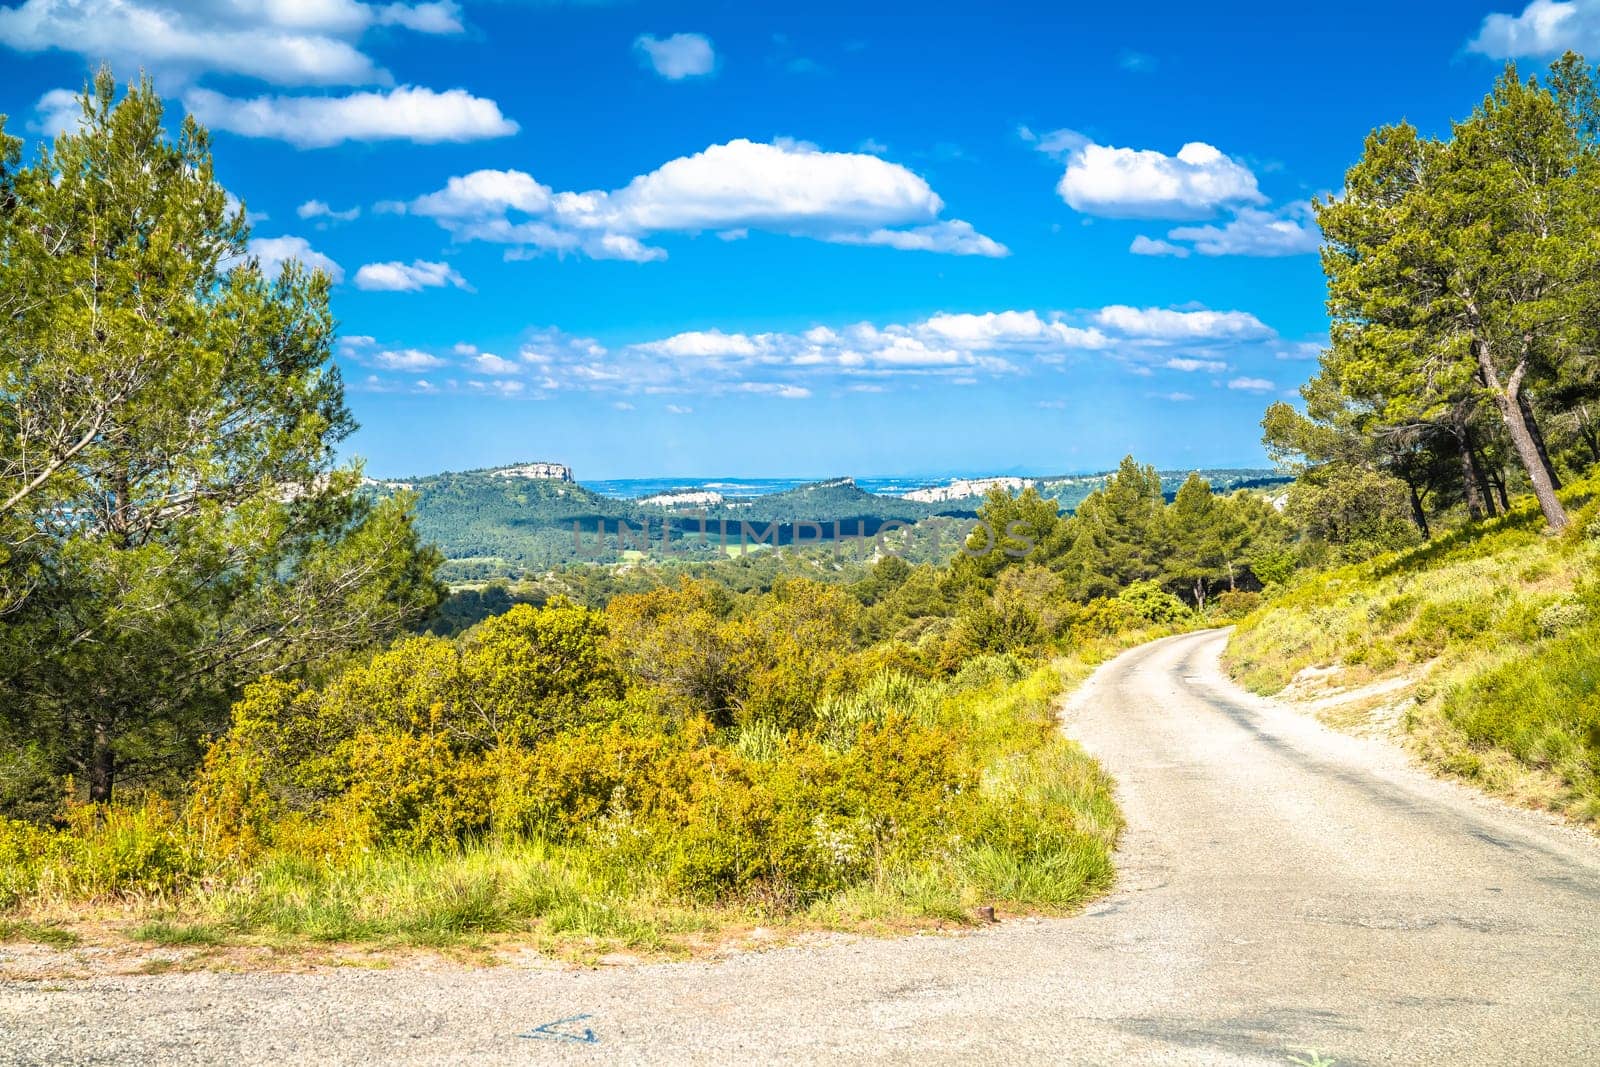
52,934
178,935
1499,622
449,897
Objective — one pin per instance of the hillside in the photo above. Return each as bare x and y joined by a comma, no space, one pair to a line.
491,525
1070,490
503,521
1479,650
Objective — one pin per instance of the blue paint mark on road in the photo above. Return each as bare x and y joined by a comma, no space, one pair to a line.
550,1031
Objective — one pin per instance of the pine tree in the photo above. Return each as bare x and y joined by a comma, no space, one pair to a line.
173,521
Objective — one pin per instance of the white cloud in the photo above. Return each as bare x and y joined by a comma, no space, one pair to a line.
1303,350
1189,364
1252,232
679,409
483,192
1252,385
1176,398
785,187
396,277
683,55
955,237
285,42
441,17
406,359
1143,183
1145,246
407,113
949,347
57,111
1009,329
778,389
274,252
489,363
1057,144
712,343
503,386
233,205
745,183
1544,28
319,209
1163,324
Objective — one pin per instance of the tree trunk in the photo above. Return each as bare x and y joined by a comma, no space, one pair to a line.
1497,477
1469,478
1586,430
102,766
1485,485
1508,398
1418,516
1538,438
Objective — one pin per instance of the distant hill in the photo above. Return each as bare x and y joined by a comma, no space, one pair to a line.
1071,489
504,521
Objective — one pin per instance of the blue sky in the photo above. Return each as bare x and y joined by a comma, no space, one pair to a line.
692,239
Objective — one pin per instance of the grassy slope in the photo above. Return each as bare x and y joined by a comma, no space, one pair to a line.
1499,626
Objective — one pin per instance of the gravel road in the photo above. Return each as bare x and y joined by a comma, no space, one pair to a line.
1283,889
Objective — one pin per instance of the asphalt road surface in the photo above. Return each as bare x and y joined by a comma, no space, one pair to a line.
1286,892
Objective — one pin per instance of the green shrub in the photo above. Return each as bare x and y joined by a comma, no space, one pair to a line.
535,774
1561,616
981,672
1237,603
1152,604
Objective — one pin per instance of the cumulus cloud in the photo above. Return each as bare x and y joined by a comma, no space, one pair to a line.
1292,231
407,113
483,193
785,187
274,252
683,55
1147,246
1057,144
1144,183
396,277
285,42
1252,385
1544,28
1165,324
319,209
1189,364
405,359
950,347
489,363
955,237
441,17
57,111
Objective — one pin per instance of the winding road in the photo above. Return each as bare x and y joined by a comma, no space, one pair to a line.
1285,891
